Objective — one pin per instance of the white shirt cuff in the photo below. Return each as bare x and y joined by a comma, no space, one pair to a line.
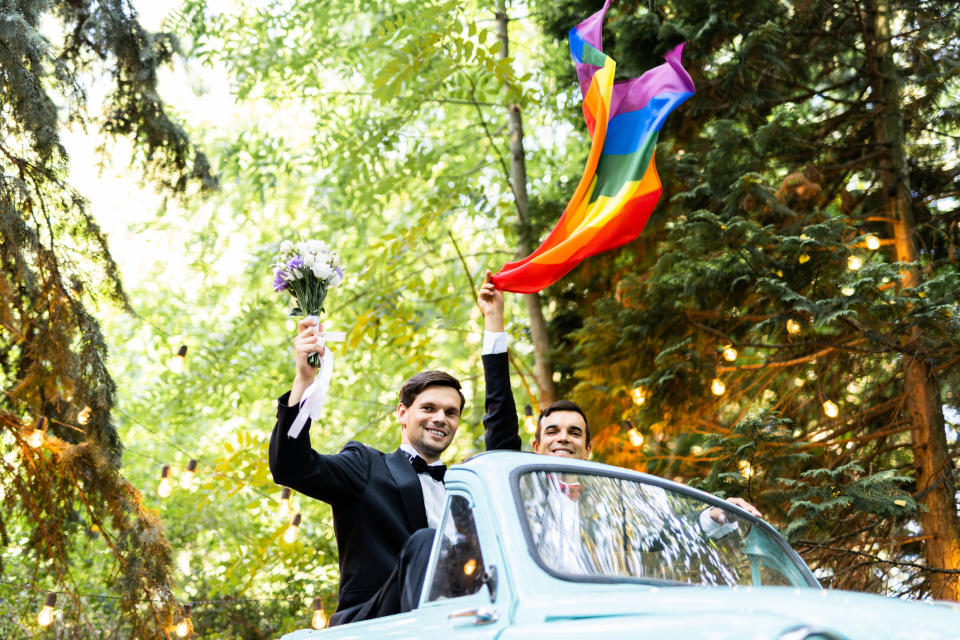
714,529
494,342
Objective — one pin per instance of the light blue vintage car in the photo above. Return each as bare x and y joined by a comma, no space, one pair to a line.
541,547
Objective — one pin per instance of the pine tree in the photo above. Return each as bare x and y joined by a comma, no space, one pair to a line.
786,326
63,496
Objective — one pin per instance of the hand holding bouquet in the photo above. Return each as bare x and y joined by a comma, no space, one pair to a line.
308,270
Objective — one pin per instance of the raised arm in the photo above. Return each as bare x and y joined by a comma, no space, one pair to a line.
501,427
293,462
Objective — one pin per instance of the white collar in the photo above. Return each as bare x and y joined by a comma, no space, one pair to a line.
411,451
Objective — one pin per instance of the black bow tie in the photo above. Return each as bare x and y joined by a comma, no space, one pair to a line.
436,471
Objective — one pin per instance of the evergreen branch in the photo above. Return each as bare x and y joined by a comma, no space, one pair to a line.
878,560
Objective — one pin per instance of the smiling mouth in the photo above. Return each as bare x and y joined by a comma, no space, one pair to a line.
436,433
561,452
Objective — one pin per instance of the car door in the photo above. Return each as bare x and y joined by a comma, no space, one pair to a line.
465,592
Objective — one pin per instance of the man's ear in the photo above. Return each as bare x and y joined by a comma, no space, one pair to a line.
402,414
536,446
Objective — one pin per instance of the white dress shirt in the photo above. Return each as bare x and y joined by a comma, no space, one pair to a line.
494,342
434,494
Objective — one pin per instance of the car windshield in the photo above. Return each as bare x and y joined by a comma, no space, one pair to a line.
598,527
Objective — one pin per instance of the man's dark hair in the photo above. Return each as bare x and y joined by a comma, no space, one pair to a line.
564,405
415,386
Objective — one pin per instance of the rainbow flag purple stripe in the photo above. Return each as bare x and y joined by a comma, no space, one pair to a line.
620,186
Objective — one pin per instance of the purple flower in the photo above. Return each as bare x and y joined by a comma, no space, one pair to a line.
340,272
279,283
296,263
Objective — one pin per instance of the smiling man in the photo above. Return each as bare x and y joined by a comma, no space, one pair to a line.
379,499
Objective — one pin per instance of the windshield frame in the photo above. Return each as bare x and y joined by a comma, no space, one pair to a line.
636,476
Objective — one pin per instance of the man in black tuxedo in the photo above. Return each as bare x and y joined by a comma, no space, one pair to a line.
379,499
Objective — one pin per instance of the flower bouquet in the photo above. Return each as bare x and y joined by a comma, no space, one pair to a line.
308,270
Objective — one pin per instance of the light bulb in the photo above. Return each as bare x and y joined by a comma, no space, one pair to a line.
165,488
35,439
831,409
178,360
746,470
847,290
793,326
854,263
183,628
639,395
83,417
319,620
636,438
873,242
284,508
730,353
45,617
186,480
469,567
717,387
529,422
290,535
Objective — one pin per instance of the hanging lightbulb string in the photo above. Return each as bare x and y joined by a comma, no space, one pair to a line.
327,595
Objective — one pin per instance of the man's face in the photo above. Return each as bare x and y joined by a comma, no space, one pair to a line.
563,433
430,423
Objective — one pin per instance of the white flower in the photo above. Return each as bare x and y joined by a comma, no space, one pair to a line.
322,270
335,280
315,246
286,247
309,260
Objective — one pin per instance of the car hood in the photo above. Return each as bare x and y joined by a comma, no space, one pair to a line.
615,611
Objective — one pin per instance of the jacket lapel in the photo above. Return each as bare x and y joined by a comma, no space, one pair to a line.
411,493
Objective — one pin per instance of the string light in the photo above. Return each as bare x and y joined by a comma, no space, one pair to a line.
793,327
717,387
183,628
847,290
854,262
83,417
290,535
45,617
178,360
469,567
529,422
873,242
319,620
635,437
639,395
804,257
746,469
730,353
35,439
165,488
186,480
831,409
284,508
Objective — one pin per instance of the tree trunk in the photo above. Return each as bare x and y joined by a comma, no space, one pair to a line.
934,469
518,182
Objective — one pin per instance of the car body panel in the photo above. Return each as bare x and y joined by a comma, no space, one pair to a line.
532,602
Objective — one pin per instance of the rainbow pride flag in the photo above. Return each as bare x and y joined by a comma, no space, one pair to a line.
620,186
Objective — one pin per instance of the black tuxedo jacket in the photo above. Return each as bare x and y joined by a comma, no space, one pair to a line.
376,497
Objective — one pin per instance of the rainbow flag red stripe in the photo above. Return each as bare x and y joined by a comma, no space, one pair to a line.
620,186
